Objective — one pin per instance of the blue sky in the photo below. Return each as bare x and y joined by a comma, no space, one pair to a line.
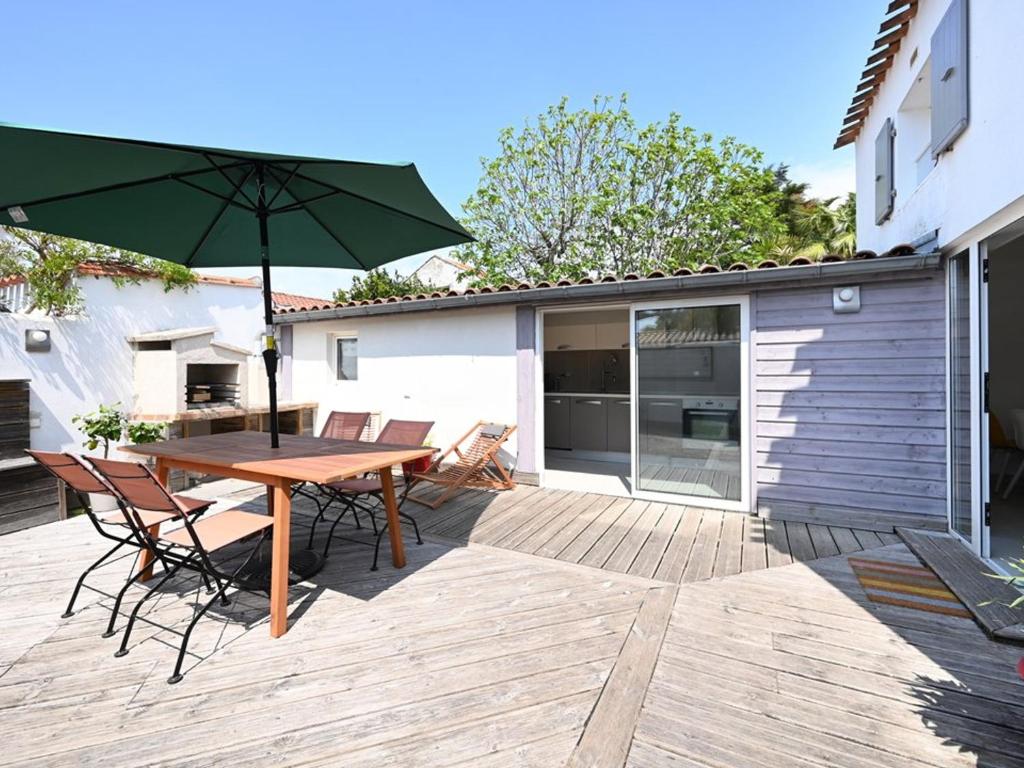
434,82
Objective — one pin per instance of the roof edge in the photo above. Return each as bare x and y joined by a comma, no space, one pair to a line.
629,288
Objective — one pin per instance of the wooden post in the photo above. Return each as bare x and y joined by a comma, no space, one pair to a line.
387,486
278,496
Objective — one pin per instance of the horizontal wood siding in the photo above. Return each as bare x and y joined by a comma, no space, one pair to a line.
850,408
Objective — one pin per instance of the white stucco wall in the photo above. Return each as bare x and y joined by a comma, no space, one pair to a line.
984,172
90,362
453,368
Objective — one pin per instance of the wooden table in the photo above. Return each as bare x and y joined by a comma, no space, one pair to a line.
248,456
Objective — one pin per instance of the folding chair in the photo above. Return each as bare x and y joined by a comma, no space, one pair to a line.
340,425
114,525
189,546
364,493
476,466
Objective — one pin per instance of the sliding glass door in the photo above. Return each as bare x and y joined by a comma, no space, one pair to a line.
690,385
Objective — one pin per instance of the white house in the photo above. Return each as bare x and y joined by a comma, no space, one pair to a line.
936,125
87,359
444,272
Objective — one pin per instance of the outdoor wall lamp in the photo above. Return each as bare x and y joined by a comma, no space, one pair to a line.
846,299
37,340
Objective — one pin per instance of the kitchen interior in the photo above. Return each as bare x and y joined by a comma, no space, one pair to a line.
688,387
586,400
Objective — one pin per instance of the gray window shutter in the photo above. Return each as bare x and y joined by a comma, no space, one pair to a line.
949,77
884,190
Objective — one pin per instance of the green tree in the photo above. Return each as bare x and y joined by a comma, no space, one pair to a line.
47,263
813,226
587,192
381,284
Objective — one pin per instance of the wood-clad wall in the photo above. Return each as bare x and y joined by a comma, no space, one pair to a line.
850,421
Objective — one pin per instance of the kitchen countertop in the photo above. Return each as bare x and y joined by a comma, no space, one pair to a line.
586,394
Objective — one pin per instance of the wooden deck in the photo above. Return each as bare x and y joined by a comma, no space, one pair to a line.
666,542
794,667
480,656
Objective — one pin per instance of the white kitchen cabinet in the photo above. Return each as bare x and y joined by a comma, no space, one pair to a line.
569,337
611,335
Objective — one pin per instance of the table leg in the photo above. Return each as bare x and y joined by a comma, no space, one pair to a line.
282,509
146,557
387,486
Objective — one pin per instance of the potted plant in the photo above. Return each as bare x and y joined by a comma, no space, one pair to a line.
106,426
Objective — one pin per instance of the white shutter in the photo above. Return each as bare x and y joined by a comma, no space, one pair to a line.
949,78
884,191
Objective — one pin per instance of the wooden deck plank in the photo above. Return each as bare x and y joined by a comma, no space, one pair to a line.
628,549
583,542
821,538
755,547
554,546
701,564
778,543
609,732
729,560
610,539
867,539
800,545
844,539
673,562
650,555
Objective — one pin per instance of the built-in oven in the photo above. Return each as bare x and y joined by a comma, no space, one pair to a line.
711,418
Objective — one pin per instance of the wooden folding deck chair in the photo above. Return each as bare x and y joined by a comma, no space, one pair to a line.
475,467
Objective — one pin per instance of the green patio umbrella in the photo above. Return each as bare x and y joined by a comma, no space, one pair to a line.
205,207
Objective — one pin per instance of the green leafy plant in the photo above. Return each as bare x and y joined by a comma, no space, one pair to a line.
381,284
1017,580
48,265
109,423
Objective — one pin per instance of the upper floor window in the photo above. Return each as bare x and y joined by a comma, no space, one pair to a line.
347,361
913,159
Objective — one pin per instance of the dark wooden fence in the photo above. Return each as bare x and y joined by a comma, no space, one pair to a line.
28,494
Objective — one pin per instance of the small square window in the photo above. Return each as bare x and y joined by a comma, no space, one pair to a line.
348,359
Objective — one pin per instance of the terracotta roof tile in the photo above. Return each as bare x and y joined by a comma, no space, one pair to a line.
893,29
705,269
296,303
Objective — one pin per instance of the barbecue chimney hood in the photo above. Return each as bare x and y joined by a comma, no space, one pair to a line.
180,373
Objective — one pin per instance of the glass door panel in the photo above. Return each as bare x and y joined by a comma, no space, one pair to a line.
689,391
960,395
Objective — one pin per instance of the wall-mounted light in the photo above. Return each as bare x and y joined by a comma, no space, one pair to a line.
37,340
846,299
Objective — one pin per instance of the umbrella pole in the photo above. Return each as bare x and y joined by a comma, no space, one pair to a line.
270,353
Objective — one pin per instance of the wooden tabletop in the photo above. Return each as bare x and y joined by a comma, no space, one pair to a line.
312,459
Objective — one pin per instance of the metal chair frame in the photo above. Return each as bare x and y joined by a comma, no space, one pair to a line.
340,425
67,472
395,431
174,557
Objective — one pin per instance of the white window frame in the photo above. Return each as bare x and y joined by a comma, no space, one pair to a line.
745,502
335,373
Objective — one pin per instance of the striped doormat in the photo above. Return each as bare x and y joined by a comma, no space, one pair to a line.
908,586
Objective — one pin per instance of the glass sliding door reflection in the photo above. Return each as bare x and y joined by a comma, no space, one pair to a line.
688,374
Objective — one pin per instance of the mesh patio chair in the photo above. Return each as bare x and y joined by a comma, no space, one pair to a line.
364,493
476,464
113,525
340,425
190,546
